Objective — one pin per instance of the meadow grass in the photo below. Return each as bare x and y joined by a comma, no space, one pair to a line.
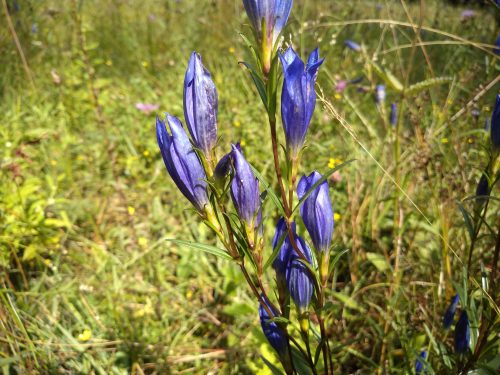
90,283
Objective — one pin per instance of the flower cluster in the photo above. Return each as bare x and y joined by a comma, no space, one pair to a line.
210,181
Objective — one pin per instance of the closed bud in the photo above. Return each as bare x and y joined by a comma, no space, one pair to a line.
274,334
316,211
419,363
245,191
268,18
462,333
299,279
298,97
200,105
380,94
352,45
393,117
495,124
181,161
449,314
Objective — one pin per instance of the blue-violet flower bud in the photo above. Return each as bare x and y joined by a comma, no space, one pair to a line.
380,94
200,105
316,211
495,124
449,314
299,279
245,190
274,334
181,161
462,333
393,118
419,364
298,97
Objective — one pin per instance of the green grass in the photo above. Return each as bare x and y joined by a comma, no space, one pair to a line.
86,205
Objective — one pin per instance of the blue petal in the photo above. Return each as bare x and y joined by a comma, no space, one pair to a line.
449,314
282,12
273,333
462,333
495,124
200,104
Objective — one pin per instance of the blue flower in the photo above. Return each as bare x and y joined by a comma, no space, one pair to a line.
380,94
394,114
273,12
495,124
483,187
449,314
200,105
298,97
274,334
419,364
182,162
224,165
274,15
299,279
245,190
462,333
316,211
352,45
281,261
497,44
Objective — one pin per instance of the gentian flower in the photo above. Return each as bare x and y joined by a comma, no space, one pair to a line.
483,187
462,333
200,105
393,118
316,211
298,277
449,314
268,18
380,94
274,334
281,261
224,165
245,190
352,45
182,162
419,364
298,97
495,124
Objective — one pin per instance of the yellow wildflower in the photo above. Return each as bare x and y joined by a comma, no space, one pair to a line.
131,210
85,335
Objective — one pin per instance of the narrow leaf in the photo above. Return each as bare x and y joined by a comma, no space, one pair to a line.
203,247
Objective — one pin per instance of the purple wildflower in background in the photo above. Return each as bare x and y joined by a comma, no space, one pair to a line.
462,333
352,45
200,105
449,314
299,280
380,94
341,85
467,13
182,162
393,117
298,97
475,113
495,124
245,190
147,108
419,363
316,211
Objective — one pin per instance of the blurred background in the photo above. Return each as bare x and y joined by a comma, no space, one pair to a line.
88,282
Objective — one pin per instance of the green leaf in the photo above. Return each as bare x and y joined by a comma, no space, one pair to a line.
348,301
467,219
203,247
30,252
320,181
274,370
261,88
379,261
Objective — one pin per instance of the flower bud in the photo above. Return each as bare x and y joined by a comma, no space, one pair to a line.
245,191
298,97
316,211
380,94
268,18
462,333
299,279
495,124
393,118
181,161
274,334
419,364
449,314
352,45
200,105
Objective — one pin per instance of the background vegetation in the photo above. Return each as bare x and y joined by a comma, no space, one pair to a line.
89,283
